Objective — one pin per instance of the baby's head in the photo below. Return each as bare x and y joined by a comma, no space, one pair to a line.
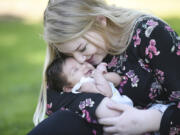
63,74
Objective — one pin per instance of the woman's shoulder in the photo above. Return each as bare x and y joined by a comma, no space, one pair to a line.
148,20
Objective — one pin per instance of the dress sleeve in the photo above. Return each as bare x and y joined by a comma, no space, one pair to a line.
160,49
83,104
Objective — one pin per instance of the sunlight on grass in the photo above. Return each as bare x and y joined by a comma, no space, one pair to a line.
35,58
8,40
163,8
21,54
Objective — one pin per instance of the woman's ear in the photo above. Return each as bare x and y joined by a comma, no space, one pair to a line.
67,89
102,20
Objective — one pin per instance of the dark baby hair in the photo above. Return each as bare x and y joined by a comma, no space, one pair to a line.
55,78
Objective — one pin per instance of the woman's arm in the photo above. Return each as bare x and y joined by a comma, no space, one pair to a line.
84,104
162,54
103,111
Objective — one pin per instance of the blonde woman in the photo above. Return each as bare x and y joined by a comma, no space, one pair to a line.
142,48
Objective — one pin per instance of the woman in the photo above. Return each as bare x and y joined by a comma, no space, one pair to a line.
143,49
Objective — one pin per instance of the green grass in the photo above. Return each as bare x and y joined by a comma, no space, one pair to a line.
22,51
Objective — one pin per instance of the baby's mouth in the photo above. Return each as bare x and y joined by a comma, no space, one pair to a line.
89,72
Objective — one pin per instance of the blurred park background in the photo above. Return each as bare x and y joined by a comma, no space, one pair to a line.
22,52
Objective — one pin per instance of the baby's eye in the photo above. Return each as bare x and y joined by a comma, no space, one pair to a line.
74,70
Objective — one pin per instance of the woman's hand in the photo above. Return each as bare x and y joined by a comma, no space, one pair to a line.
132,121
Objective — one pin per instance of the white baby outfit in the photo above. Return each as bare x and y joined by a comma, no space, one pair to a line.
115,93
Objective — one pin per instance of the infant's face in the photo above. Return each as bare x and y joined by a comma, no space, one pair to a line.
74,71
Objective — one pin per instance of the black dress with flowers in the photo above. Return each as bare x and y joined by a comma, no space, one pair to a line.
150,68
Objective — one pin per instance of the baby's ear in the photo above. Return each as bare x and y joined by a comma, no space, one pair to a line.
67,89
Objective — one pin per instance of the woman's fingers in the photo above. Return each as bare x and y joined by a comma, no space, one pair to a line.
110,129
107,121
117,106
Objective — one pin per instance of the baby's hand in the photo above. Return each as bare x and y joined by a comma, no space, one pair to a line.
102,67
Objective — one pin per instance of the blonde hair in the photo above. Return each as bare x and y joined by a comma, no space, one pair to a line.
65,20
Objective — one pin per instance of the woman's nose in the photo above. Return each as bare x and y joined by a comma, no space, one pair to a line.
79,57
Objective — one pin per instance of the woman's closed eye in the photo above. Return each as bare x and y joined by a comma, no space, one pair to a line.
83,48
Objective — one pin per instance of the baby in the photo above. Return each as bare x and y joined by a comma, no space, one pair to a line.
67,75
71,76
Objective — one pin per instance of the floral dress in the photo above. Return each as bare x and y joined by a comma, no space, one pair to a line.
150,71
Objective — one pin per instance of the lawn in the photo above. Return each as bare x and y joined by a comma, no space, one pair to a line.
21,54
22,51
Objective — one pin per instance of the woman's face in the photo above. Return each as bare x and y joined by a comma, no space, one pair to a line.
83,50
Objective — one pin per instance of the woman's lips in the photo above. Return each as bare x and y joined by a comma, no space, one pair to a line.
90,60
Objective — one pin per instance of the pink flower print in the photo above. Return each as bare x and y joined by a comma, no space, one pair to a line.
178,106
48,111
62,108
155,89
178,51
86,114
120,89
169,28
86,103
179,46
134,81
49,106
151,49
175,130
152,93
123,81
113,62
94,132
94,121
130,74
152,23
144,66
134,78
175,96
160,75
89,102
137,38
82,105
